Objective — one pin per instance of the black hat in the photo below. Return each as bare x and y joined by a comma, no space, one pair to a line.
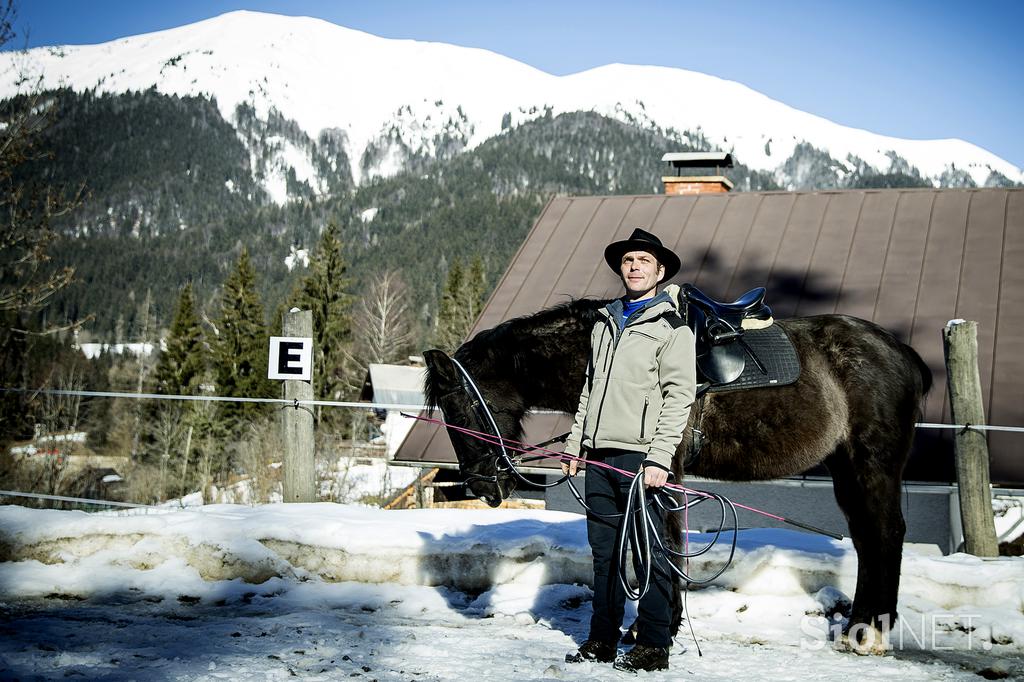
641,240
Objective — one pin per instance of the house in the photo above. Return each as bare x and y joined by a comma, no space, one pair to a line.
907,259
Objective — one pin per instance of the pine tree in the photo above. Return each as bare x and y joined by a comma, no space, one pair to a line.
180,370
180,367
323,292
240,353
476,290
461,303
448,332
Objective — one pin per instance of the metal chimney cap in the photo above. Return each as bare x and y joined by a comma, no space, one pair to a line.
698,159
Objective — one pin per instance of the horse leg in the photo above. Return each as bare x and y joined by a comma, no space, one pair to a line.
867,489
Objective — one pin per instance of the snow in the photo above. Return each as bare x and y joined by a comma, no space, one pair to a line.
410,92
93,350
275,183
1009,516
296,256
324,591
356,478
344,480
287,155
47,442
369,214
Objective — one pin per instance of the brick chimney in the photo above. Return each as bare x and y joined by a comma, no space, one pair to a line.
697,184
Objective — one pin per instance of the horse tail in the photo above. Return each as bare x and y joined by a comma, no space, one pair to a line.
922,367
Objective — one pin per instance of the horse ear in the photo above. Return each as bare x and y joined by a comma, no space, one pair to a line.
441,366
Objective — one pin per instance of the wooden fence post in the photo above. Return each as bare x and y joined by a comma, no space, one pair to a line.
297,423
970,447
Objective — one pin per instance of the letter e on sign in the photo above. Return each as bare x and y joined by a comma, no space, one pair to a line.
291,357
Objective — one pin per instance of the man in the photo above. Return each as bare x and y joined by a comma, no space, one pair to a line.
635,403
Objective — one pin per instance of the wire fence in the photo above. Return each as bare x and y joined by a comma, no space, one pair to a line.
373,406
172,454
336,448
214,399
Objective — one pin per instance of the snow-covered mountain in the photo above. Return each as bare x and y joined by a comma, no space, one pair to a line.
385,100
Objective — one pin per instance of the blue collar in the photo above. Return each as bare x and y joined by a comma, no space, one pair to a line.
622,311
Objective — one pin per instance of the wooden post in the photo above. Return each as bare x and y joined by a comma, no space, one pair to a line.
970,447
297,423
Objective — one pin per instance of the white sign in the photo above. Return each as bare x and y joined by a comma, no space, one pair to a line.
291,357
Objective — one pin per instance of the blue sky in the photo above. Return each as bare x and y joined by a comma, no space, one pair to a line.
907,68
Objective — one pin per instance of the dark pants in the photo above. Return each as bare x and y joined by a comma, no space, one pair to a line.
606,493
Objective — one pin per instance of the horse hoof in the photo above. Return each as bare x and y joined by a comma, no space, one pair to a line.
865,640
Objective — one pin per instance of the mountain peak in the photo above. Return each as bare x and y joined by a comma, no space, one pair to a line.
329,77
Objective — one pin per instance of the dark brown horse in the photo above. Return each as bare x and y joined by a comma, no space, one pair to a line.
852,409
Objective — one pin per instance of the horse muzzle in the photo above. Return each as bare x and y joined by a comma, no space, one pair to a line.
491,489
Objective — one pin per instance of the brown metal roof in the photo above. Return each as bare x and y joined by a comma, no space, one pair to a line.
908,259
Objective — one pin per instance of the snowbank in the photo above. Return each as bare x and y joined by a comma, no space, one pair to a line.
323,590
334,543
466,550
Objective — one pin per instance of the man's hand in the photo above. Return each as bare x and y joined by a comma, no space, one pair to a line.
654,477
571,466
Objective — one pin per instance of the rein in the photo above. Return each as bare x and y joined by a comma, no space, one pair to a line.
561,456
639,503
637,525
507,465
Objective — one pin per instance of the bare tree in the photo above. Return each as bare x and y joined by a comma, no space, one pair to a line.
167,432
7,16
59,415
258,451
333,471
144,311
382,327
27,277
209,449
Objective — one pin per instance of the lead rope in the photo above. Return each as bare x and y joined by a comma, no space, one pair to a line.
637,505
563,457
638,490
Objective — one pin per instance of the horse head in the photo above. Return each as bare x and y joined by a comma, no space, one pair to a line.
455,393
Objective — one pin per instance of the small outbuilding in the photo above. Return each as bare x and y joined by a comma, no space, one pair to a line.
907,259
393,385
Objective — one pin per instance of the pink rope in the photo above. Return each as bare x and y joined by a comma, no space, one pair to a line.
563,457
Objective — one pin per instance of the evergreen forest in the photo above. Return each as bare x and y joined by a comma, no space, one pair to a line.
145,218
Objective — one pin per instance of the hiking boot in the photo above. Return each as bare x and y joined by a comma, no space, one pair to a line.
593,650
643,657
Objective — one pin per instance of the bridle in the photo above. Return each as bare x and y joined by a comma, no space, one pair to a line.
504,463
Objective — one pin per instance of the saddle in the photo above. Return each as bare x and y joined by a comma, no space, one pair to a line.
737,344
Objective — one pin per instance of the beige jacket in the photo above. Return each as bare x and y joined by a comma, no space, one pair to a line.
640,382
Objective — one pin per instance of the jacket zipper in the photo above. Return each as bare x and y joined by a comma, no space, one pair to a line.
643,416
608,353
643,334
